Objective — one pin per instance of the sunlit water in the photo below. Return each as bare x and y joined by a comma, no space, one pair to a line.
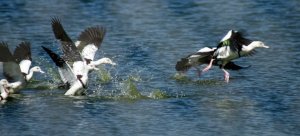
142,95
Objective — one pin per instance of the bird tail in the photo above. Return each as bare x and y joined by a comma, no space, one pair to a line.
183,65
56,58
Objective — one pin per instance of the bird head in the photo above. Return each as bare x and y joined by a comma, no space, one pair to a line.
258,44
4,82
37,69
107,61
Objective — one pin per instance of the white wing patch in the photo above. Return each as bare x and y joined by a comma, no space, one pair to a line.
89,51
24,66
206,49
227,36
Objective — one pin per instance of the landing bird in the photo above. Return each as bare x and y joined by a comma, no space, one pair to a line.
233,46
77,61
203,56
16,67
73,81
88,43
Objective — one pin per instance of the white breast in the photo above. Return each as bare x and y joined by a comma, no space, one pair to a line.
79,68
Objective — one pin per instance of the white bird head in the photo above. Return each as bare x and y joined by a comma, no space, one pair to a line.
4,82
104,61
108,61
258,44
4,92
37,69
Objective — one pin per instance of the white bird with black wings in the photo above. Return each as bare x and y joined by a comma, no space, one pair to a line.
16,67
231,47
76,62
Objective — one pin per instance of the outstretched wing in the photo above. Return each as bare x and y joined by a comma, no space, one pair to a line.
229,42
92,35
11,69
69,49
232,41
203,56
59,31
89,41
65,71
5,54
12,72
23,52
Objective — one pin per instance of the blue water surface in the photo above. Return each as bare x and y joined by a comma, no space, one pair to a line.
143,96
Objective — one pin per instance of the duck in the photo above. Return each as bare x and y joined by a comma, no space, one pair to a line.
78,58
3,89
88,42
16,67
232,46
202,56
74,76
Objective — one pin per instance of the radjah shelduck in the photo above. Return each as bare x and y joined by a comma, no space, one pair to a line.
232,46
78,59
202,56
16,67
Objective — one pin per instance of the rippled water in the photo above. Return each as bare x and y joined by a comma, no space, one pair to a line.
141,95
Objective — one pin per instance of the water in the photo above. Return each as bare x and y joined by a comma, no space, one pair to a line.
141,95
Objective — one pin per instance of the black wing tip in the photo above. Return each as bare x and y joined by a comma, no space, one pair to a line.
59,31
23,51
56,23
45,48
25,45
6,54
4,44
56,58
55,20
93,35
182,65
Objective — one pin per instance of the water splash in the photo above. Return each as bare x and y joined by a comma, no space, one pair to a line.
105,76
181,77
158,94
129,90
